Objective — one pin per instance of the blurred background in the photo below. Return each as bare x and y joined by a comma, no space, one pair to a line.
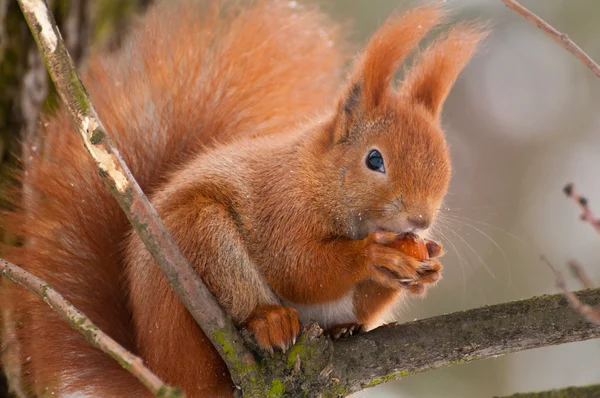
522,122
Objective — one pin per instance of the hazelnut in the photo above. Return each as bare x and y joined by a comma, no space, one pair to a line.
413,246
417,248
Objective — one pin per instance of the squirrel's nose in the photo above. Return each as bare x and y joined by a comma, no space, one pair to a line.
419,221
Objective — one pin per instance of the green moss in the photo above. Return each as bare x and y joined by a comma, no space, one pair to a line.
336,390
124,364
169,392
386,378
277,389
405,373
80,94
457,361
224,343
97,137
306,351
296,350
568,392
229,352
52,101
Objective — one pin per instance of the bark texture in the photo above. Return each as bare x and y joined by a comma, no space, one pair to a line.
568,392
316,366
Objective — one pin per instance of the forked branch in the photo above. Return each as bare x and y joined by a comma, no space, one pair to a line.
80,322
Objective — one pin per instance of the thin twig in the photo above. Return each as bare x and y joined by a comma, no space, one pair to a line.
561,38
586,213
592,314
202,305
581,275
79,321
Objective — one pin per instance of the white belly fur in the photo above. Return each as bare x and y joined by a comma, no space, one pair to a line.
327,314
342,311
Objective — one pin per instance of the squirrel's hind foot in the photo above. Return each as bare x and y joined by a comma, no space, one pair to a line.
274,326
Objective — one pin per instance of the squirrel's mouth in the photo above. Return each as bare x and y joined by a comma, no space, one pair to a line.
399,227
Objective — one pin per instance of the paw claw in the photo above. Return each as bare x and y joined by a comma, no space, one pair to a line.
343,330
274,326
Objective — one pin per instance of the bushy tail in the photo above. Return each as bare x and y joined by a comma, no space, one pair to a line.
190,74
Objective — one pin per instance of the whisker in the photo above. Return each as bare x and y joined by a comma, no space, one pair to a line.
460,259
492,241
448,229
515,237
473,251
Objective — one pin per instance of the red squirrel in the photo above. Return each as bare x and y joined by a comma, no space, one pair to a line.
282,182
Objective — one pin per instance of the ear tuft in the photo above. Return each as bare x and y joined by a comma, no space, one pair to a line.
430,79
383,55
352,98
388,48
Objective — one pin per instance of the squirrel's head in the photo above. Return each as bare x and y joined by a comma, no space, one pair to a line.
386,146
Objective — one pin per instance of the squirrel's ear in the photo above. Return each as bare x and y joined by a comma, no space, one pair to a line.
374,70
430,79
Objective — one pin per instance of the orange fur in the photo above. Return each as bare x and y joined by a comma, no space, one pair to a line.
230,119
432,77
385,53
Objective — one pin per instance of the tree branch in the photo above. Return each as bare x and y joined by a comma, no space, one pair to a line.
196,297
560,38
395,352
571,392
80,322
318,366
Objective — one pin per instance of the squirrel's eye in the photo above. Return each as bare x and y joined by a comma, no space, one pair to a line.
375,161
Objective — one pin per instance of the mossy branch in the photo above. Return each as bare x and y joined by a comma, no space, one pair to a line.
394,352
316,366
80,322
202,305
570,392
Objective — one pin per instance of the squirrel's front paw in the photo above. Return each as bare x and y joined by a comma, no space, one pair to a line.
387,265
392,263
274,326
430,273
